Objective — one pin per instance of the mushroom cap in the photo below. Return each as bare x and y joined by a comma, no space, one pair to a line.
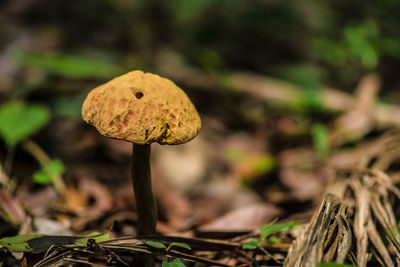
142,108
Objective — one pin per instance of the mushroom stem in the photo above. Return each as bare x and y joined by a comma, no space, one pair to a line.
141,178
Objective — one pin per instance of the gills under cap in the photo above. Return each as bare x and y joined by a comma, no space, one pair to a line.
142,108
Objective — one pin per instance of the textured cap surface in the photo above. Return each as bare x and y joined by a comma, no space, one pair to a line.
142,108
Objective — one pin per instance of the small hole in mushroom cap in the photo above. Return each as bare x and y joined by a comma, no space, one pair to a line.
139,95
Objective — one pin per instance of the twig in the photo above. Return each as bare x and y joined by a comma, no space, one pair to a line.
8,161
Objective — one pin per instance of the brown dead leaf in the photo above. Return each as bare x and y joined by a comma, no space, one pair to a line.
10,207
74,202
207,208
101,195
173,207
101,202
298,173
358,121
245,218
247,158
38,202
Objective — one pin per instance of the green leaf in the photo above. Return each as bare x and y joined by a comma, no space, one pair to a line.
166,264
156,244
41,177
70,66
274,240
48,172
252,244
19,243
182,245
18,121
320,140
98,237
307,76
267,230
41,243
333,264
264,164
360,43
176,263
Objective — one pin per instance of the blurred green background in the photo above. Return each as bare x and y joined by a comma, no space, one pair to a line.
60,47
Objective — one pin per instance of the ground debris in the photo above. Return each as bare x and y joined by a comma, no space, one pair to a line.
359,204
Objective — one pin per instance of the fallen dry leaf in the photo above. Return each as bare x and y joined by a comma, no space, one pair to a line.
358,121
10,207
297,169
88,211
38,202
74,201
101,195
245,218
173,207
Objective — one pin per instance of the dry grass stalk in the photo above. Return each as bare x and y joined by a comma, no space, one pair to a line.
359,203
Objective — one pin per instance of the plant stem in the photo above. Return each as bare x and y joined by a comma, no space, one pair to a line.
36,151
8,161
141,178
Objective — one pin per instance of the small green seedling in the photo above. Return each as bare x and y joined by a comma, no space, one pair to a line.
18,121
252,244
177,262
49,171
266,235
181,245
158,245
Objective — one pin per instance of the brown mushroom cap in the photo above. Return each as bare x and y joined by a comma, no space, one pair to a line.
142,108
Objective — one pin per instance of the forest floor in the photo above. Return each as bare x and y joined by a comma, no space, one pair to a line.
260,174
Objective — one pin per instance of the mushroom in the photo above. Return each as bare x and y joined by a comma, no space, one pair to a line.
142,108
